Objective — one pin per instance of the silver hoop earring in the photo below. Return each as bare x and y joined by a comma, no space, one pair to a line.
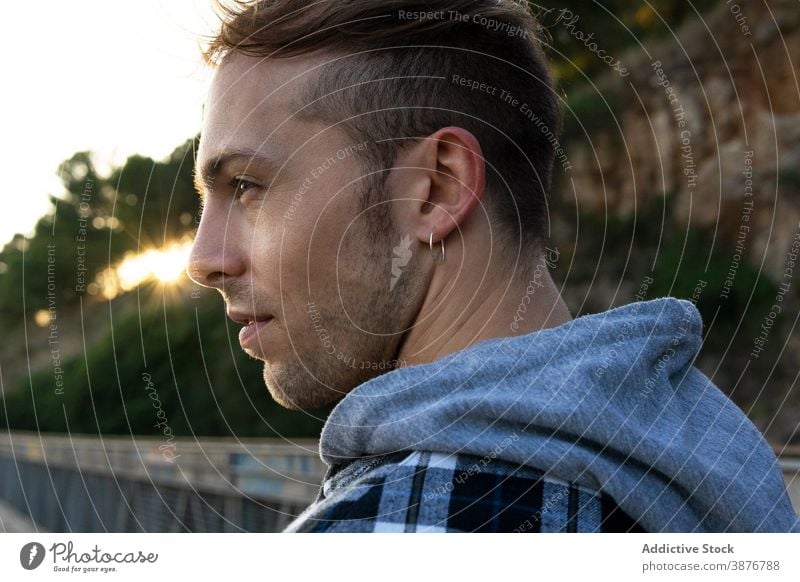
440,260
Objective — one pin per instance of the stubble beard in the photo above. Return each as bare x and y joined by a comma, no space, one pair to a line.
327,369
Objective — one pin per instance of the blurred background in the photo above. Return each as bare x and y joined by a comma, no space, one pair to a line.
127,402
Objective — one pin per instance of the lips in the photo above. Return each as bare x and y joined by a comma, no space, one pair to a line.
253,324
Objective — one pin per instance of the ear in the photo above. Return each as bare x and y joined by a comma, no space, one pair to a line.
450,181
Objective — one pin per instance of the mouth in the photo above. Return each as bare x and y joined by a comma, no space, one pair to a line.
252,325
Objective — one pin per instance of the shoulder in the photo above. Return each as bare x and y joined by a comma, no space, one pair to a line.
420,491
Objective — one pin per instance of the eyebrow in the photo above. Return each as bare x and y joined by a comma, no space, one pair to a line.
205,175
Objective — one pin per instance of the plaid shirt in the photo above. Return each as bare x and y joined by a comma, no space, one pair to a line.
419,491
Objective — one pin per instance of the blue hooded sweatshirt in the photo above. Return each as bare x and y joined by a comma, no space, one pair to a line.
609,401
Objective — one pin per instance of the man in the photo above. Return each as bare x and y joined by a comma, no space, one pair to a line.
374,179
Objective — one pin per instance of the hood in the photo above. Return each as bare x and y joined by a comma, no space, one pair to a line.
609,400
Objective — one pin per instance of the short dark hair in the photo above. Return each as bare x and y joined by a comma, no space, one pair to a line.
411,67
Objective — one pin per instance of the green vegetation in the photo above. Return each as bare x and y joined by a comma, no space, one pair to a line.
180,358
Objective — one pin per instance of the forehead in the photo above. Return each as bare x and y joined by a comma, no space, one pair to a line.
252,100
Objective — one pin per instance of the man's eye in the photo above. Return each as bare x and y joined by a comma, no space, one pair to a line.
241,186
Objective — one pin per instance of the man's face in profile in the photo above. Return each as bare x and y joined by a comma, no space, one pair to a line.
283,238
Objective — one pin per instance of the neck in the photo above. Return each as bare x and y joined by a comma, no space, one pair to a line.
452,319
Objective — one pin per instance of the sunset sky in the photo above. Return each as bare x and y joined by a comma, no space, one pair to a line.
116,78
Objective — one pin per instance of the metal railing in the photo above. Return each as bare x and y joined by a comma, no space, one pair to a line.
73,483
789,458
82,483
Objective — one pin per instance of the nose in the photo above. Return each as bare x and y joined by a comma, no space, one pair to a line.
215,253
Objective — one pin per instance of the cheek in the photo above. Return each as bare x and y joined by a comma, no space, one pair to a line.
257,246
328,240
285,267
316,233
337,251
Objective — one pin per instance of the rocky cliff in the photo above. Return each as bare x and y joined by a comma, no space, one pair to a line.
712,114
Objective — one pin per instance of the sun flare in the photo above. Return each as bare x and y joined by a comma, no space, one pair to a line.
166,266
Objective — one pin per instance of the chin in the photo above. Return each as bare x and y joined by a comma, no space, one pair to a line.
296,390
